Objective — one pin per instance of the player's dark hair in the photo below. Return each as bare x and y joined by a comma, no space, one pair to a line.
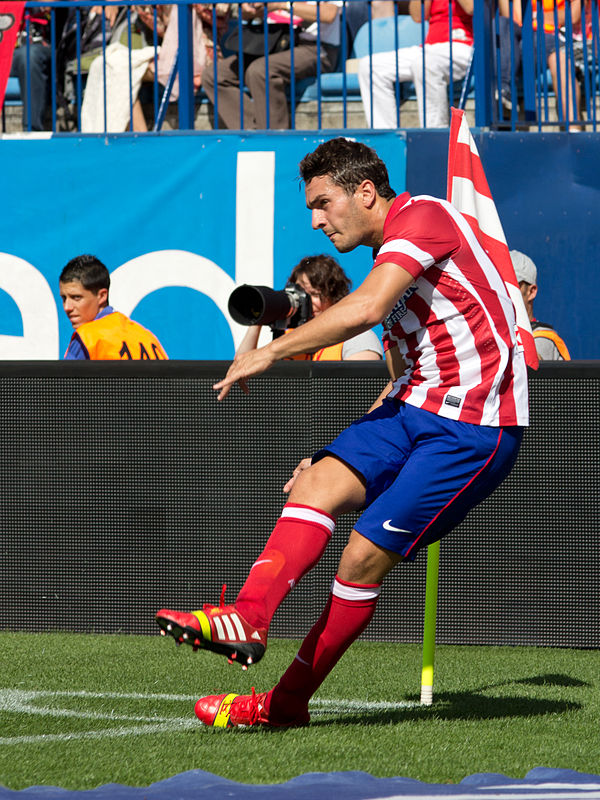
325,275
347,163
88,270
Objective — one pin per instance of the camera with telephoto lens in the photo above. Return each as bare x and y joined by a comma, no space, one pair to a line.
260,305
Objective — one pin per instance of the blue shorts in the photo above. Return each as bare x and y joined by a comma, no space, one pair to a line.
550,44
423,473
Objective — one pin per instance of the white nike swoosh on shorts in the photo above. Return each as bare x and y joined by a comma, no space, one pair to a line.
389,527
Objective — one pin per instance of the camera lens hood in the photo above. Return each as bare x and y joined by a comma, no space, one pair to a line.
259,305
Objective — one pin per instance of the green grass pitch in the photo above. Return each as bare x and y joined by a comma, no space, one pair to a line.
79,711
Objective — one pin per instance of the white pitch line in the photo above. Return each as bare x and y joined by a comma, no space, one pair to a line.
22,701
119,695
364,705
107,733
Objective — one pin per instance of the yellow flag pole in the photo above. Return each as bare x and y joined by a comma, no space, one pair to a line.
429,622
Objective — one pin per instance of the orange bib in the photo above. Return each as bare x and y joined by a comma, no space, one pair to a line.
548,7
554,337
115,337
331,353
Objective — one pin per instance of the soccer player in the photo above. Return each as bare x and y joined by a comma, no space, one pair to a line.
441,437
100,332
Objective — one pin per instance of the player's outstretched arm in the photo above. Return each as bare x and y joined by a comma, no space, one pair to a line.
357,312
243,367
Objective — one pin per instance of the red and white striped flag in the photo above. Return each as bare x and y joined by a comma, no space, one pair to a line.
468,191
11,15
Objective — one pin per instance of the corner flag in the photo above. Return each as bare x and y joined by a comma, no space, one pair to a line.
468,191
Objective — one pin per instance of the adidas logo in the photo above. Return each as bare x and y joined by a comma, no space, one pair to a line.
229,628
256,635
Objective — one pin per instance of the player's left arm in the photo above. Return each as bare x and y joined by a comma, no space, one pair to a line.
396,367
359,311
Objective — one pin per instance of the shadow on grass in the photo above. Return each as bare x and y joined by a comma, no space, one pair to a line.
456,706
468,705
549,680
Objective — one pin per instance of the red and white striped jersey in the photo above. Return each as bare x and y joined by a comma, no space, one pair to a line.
455,325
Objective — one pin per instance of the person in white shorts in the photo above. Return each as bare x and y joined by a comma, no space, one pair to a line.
379,73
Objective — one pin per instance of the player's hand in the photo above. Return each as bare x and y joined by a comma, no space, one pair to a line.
244,366
304,464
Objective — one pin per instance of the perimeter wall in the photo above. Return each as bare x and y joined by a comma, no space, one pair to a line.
128,487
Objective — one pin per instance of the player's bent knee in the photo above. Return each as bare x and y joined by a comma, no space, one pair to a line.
330,486
305,486
364,561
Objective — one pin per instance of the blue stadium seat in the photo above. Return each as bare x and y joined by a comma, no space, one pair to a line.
384,36
12,96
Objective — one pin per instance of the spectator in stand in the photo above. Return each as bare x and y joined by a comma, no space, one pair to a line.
35,95
125,70
101,333
85,33
510,53
326,283
548,344
547,46
358,13
212,34
381,71
205,44
553,46
306,57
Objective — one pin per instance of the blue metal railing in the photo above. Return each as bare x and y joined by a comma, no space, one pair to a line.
513,80
545,81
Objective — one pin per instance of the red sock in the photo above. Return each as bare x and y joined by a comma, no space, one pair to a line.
298,541
346,615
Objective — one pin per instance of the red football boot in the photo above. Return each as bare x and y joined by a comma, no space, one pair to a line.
221,629
240,711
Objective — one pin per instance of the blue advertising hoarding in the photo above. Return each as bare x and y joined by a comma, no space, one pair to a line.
179,220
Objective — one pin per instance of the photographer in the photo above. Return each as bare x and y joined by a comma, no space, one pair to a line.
325,282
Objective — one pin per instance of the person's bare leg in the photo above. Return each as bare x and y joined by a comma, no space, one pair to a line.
570,110
331,485
138,118
363,561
